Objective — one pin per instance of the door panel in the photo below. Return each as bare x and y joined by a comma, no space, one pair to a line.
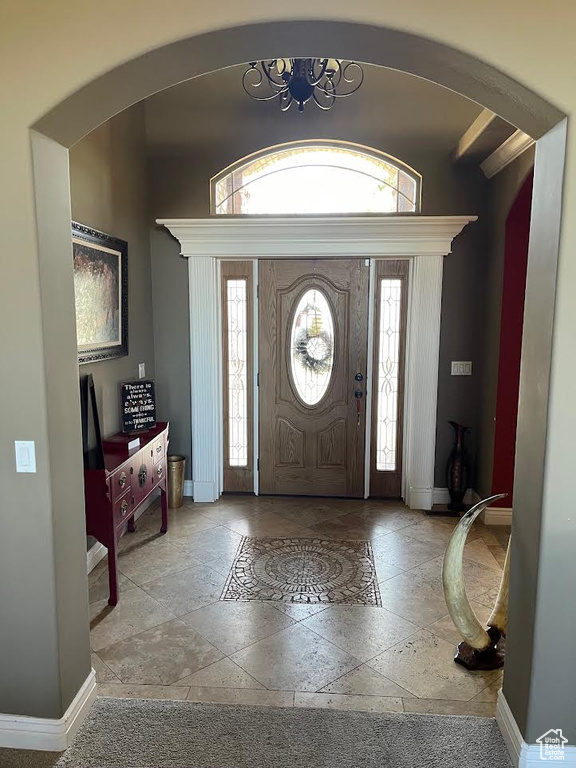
313,337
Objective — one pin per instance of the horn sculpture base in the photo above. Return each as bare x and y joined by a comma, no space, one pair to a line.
490,658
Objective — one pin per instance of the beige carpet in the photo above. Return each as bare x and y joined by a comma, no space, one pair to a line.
171,734
22,758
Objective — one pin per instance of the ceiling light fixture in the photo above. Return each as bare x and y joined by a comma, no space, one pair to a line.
299,80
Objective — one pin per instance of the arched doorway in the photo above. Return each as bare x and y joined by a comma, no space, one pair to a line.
100,100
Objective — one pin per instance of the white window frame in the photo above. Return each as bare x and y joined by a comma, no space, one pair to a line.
328,143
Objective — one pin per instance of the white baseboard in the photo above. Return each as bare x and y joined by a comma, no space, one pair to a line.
420,498
522,754
441,496
205,491
98,551
188,488
490,516
47,734
497,516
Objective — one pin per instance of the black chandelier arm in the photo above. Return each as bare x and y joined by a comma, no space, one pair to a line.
285,100
355,79
253,79
299,80
330,87
330,99
267,69
312,77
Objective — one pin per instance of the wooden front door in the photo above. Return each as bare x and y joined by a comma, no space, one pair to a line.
313,345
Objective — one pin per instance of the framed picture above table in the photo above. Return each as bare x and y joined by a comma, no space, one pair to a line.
101,291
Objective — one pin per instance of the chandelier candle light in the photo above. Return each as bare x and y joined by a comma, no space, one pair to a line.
299,80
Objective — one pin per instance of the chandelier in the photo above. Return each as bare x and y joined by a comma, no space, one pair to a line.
299,80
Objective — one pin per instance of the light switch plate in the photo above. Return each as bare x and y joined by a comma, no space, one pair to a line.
25,456
142,370
461,368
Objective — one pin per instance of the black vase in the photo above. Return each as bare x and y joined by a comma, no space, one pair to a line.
457,471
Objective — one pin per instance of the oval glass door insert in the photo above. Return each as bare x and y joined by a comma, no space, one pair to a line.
312,346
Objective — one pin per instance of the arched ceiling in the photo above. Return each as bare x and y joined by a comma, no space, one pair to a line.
391,107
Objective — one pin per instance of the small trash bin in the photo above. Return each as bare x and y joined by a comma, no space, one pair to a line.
176,467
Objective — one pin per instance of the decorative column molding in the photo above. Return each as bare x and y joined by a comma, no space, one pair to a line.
204,378
422,384
425,240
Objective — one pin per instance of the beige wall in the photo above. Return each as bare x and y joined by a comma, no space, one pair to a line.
44,59
503,190
180,188
108,184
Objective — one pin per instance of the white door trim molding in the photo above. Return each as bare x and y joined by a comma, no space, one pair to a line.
205,348
309,237
423,239
522,754
49,734
422,380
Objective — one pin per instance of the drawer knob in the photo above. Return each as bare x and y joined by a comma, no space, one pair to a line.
160,471
142,475
122,480
124,507
159,449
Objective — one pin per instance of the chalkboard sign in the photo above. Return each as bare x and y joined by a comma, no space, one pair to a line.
138,406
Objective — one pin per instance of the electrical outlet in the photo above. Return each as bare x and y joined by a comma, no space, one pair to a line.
141,370
461,368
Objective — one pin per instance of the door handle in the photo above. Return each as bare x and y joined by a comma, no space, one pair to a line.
358,394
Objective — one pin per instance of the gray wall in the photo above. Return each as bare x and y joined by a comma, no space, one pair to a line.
539,685
108,180
180,188
172,340
503,190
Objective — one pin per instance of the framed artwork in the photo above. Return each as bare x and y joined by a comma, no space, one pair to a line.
101,291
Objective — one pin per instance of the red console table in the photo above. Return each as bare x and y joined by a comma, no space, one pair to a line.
114,494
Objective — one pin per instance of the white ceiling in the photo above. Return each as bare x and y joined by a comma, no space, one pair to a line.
392,111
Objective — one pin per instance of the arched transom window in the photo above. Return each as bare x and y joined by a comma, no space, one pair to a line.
316,178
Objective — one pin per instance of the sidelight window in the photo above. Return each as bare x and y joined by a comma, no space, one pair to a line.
388,374
237,375
237,372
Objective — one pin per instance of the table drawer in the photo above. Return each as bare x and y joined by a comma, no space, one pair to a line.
143,481
121,481
158,450
159,472
122,509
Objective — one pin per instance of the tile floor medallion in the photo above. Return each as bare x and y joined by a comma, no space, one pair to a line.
309,571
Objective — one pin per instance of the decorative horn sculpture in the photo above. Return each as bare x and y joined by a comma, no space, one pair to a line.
481,648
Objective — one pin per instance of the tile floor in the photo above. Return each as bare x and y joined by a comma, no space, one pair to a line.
172,637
